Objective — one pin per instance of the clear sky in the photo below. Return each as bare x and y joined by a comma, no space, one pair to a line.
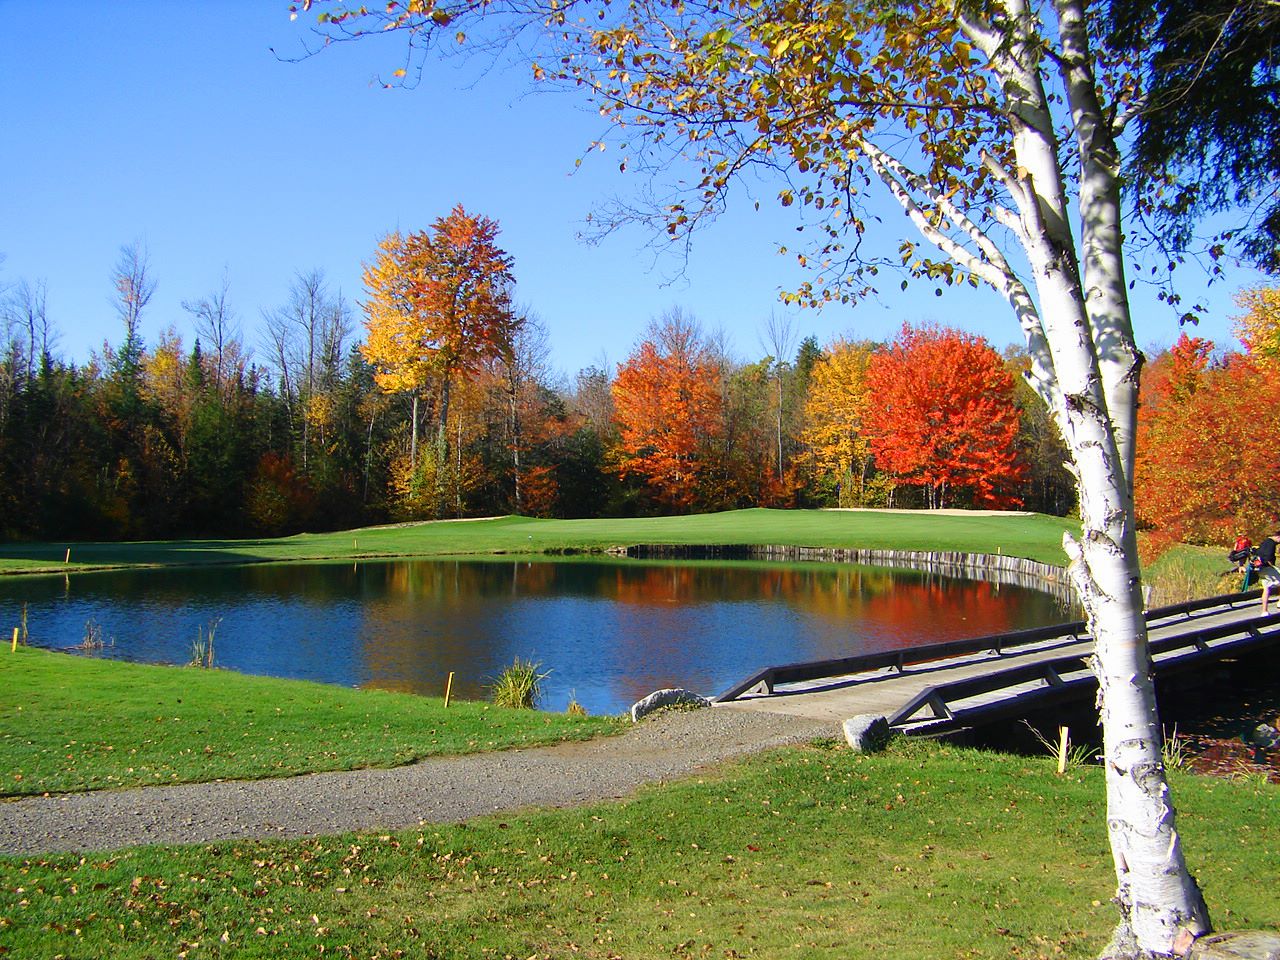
174,124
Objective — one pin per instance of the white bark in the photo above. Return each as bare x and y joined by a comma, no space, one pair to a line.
1079,333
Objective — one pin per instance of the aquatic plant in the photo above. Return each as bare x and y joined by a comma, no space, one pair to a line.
92,640
202,645
519,685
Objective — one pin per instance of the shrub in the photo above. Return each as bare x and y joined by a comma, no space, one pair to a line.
519,685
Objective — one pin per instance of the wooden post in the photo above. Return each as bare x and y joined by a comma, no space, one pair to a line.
14,647
448,688
67,558
1064,739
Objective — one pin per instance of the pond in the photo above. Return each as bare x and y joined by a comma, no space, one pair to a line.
607,632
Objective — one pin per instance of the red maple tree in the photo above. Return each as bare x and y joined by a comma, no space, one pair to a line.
667,404
941,416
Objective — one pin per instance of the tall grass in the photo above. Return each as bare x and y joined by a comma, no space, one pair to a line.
1186,572
202,645
518,686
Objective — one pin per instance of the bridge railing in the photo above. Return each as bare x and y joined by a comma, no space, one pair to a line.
1064,676
771,677
1195,606
766,680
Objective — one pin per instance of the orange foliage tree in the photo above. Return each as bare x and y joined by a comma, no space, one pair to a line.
667,404
438,304
942,417
1208,445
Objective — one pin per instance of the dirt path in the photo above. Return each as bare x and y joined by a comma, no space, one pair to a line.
444,790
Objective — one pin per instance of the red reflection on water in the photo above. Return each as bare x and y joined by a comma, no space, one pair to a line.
940,609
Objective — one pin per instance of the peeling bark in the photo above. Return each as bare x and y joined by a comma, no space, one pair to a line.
1079,332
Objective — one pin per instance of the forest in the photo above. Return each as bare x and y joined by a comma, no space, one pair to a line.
436,396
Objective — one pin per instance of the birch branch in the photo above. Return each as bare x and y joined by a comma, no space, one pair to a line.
991,267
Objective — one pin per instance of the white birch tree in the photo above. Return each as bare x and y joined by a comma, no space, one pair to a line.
996,126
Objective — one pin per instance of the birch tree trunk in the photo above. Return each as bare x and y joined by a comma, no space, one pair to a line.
1086,340
1085,365
515,445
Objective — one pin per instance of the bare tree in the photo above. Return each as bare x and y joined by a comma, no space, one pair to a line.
779,337
305,340
27,333
217,326
133,291
591,399
525,364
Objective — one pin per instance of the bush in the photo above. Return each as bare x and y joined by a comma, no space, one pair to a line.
518,686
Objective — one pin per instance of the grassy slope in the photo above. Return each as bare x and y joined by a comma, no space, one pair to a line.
1035,536
925,851
74,723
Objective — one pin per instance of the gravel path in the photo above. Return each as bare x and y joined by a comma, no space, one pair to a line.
445,790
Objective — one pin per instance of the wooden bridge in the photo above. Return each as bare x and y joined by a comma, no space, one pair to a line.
947,686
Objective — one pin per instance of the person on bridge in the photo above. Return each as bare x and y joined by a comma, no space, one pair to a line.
1242,556
1268,575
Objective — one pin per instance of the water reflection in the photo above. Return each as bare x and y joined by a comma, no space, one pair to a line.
608,632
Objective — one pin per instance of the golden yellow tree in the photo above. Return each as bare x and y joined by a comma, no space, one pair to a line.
438,305
833,414
1259,326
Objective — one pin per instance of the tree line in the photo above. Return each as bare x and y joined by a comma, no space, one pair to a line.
1208,439
436,397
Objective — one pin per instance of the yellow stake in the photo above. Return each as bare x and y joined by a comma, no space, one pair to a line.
14,648
67,559
1064,738
448,686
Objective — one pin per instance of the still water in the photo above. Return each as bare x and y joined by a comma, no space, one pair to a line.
607,632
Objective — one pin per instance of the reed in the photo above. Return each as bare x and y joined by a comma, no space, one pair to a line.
518,686
202,645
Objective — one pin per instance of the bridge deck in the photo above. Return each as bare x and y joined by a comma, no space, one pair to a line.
1209,634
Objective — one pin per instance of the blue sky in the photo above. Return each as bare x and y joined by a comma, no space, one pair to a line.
174,124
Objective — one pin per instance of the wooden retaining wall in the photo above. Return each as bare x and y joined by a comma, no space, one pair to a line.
993,567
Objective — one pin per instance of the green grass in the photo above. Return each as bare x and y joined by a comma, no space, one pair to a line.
72,723
925,851
1187,572
1034,536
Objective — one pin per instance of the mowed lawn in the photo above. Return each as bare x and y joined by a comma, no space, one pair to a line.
923,852
1034,536
70,723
